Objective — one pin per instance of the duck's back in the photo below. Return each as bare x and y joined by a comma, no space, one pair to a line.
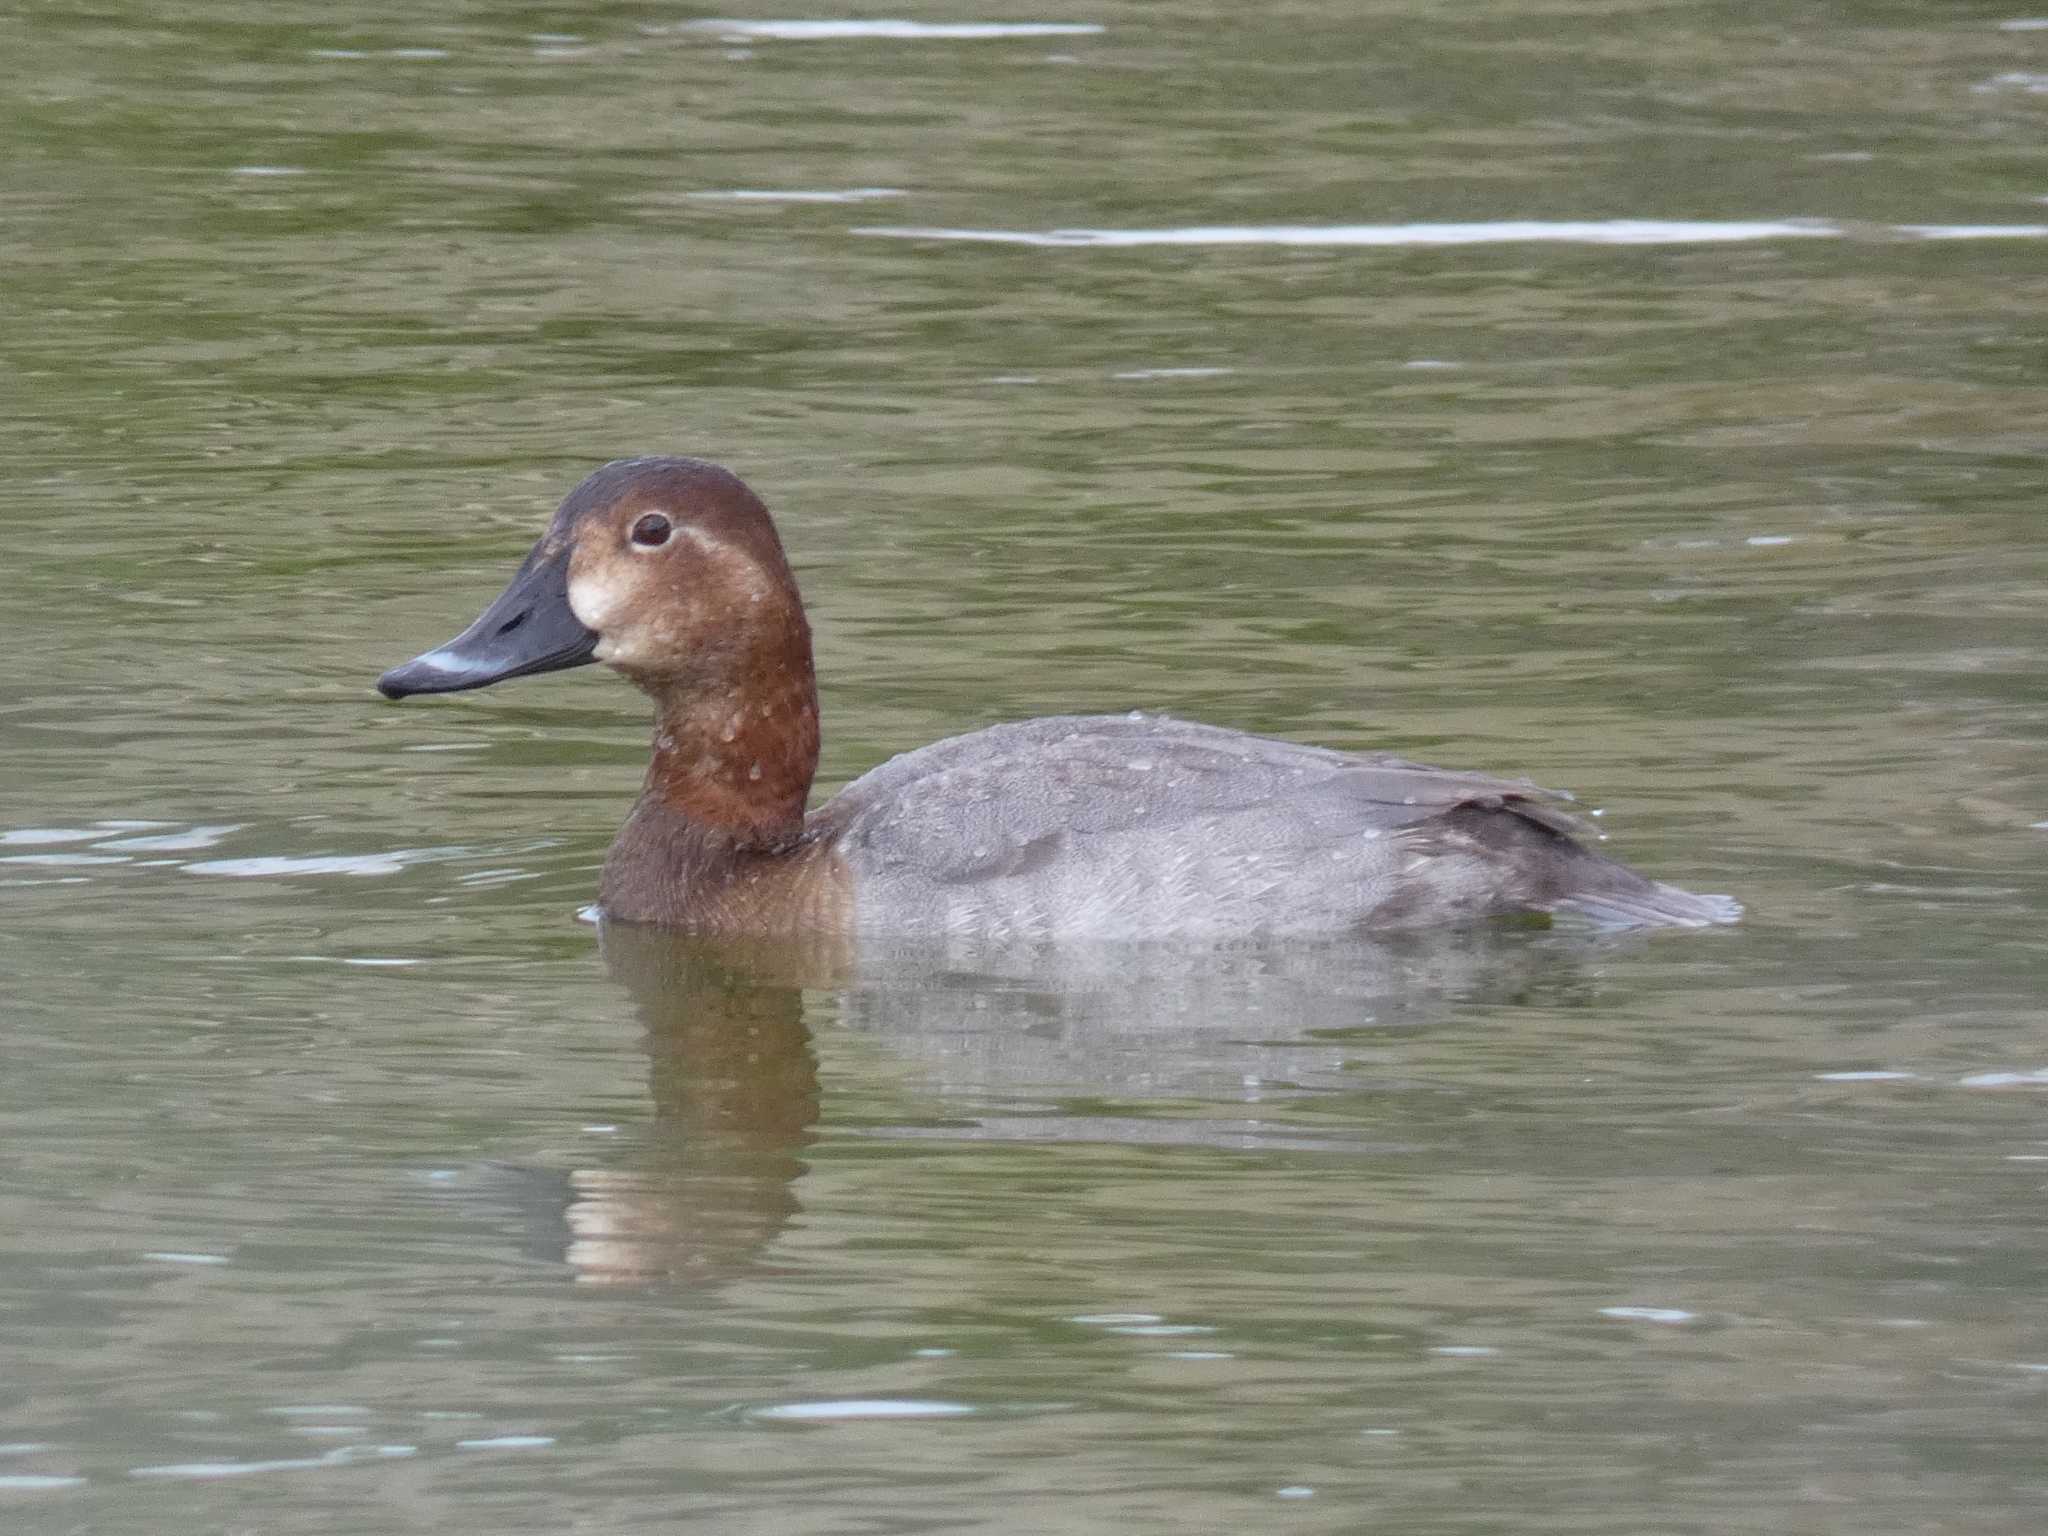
1140,826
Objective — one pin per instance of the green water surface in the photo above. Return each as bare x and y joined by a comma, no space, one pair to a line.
1373,395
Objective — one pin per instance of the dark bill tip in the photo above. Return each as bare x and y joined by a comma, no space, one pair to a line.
442,670
529,628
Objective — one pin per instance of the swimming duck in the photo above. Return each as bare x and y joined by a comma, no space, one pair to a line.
670,571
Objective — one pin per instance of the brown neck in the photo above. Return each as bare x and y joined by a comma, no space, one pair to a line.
738,763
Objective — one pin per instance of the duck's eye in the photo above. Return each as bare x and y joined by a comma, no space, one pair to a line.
652,530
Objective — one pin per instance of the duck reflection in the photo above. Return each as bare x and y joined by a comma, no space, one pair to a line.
1039,1043
734,1084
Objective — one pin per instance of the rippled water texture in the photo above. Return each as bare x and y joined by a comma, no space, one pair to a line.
1646,398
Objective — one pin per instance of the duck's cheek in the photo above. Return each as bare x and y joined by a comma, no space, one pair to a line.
598,600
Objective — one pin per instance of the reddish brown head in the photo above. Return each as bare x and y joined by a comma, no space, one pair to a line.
668,569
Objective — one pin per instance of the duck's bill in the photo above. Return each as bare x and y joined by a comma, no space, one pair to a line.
530,628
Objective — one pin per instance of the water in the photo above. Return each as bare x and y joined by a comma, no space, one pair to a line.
1648,400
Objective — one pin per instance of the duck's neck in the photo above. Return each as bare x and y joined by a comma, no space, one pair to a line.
737,765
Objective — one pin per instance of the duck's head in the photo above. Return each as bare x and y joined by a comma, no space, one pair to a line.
668,569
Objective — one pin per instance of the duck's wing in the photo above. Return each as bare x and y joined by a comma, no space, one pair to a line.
1108,773
1154,824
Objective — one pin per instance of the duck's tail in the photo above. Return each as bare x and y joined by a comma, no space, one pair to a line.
1614,896
1650,903
1569,879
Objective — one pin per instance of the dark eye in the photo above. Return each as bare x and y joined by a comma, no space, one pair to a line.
651,531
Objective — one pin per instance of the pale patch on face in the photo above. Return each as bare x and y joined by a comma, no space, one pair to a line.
597,598
604,598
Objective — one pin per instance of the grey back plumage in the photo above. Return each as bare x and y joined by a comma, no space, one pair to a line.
1132,826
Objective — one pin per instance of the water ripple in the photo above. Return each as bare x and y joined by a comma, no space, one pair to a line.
1492,232
955,31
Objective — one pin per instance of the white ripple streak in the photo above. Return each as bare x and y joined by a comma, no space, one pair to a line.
863,1408
207,1471
814,31
275,865
1498,232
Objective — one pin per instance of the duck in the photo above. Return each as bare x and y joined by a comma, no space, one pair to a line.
670,571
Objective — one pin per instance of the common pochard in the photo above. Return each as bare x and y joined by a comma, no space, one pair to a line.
670,571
